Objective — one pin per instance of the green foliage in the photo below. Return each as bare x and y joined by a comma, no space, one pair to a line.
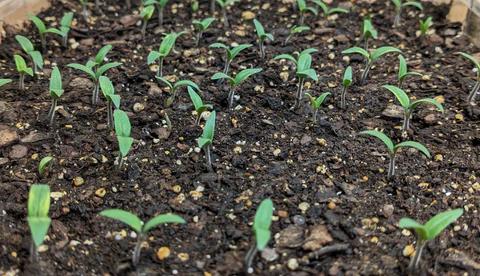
29,49
347,77
21,66
102,54
65,25
326,10
198,104
160,3
4,82
233,52
239,78
369,30
165,48
175,86
399,4
38,207
108,91
225,3
304,8
434,226
42,166
147,12
203,25
299,29
392,148
374,55
262,35
96,67
303,63
403,71
425,25
56,87
316,102
42,29
262,223
208,131
122,131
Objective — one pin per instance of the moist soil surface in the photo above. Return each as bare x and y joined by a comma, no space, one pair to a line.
335,210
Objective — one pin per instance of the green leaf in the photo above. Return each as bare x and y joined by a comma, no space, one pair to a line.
347,77
368,30
301,4
430,101
162,219
102,53
415,4
125,217
147,12
25,43
39,24
397,3
165,81
187,83
42,166
322,6
377,53
39,228
37,58
104,68
262,223
56,87
84,69
218,45
22,65
106,86
4,82
401,96
287,57
124,144
356,50
38,201
196,100
152,57
203,24
122,123
408,223
245,74
115,99
236,50
220,75
67,20
415,145
259,28
309,73
299,29
337,10
308,51
56,31
168,42
439,222
312,10
402,67
208,131
304,62
384,138
320,99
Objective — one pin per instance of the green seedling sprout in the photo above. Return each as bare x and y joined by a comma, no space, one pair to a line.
346,83
476,87
22,69
424,25
399,5
295,30
56,91
368,32
303,8
198,104
316,103
201,26
140,227
42,31
303,71
35,56
326,10
113,100
5,82
403,72
38,219
174,86
262,36
428,231
224,4
230,53
42,166
236,81
96,68
160,4
123,130
146,14
206,140
164,50
64,29
194,6
261,230
370,57
409,106
393,149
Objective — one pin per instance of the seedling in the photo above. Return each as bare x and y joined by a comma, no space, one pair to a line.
64,29
95,68
425,25
139,226
35,56
370,57
123,130
42,31
201,26
303,8
403,72
56,91
146,14
428,231
409,106
235,82
160,6
38,219
393,149
22,69
346,83
326,10
4,82
174,86
316,103
224,5
200,107
261,230
303,71
476,87
230,53
206,140
262,36
295,30
113,100
42,166
368,32
399,5
164,50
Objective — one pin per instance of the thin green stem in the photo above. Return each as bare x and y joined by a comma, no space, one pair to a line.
474,92
51,113
391,167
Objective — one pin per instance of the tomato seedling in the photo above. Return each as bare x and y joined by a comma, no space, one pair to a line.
476,87
424,25
22,70
295,30
113,100
316,103
160,4
146,14
262,37
198,104
327,10
35,56
168,43
206,140
303,9
403,72
56,91
38,219
230,53
236,81
346,83
64,29
201,27
399,5
224,4
174,86
368,32
123,130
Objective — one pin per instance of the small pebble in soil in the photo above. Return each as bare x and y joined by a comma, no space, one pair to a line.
163,253
183,257
303,206
78,181
100,192
292,264
408,251
298,220
388,210
406,232
269,254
